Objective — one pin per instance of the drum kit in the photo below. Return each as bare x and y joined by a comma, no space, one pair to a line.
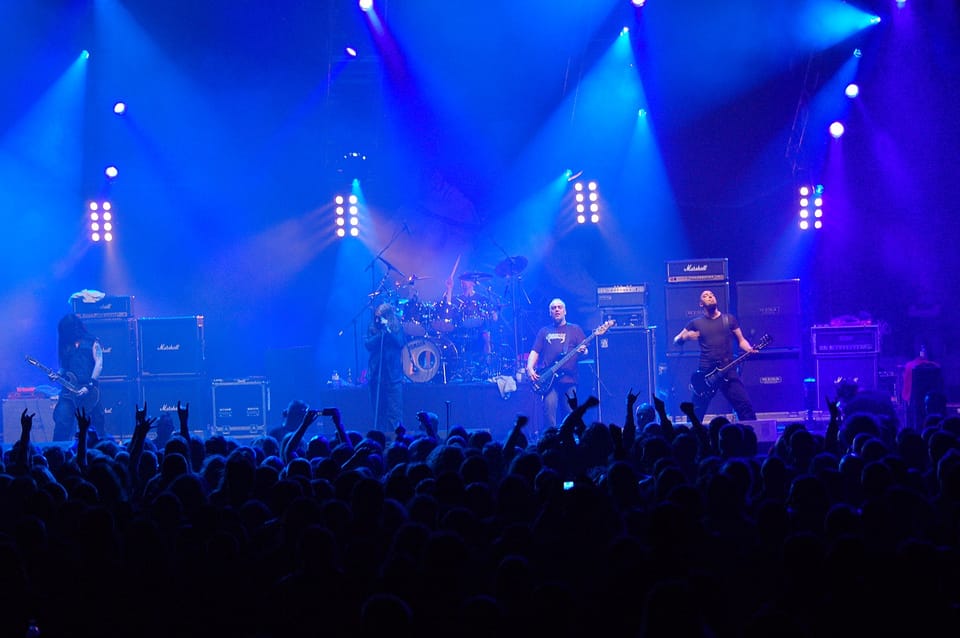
455,338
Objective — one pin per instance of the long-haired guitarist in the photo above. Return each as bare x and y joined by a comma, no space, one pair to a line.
714,332
81,361
553,342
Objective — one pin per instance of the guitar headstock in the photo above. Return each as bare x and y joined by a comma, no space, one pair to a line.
763,342
603,327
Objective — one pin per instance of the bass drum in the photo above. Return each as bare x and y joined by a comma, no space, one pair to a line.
424,358
410,313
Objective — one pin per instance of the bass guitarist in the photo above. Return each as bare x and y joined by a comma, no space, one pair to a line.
81,361
713,331
552,343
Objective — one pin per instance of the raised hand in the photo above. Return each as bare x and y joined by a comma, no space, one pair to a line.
834,407
83,419
141,414
571,398
591,402
631,399
521,421
183,412
26,421
687,408
659,405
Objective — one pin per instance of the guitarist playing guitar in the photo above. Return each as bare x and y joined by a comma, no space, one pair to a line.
559,340
81,361
715,332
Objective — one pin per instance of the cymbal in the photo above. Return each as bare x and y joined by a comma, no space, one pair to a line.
475,276
511,266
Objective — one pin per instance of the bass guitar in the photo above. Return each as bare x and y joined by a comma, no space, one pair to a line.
86,394
706,383
548,375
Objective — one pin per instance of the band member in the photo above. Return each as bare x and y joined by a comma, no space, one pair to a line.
551,344
385,341
713,332
81,361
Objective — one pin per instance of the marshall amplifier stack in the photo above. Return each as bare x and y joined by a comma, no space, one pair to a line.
172,366
152,361
625,354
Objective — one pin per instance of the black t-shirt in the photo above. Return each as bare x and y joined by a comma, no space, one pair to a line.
552,342
716,338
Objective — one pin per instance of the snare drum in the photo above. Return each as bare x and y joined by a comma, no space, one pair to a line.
424,358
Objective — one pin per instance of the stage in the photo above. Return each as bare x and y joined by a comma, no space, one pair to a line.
475,406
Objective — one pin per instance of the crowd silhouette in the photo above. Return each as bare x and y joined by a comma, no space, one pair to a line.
644,529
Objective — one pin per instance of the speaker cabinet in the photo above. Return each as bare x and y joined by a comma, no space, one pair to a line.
674,384
161,394
171,345
40,407
861,369
683,304
119,399
118,338
770,307
625,360
774,381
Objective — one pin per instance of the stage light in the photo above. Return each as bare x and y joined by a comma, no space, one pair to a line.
811,196
836,130
351,52
901,4
111,172
592,186
100,220
84,55
341,232
638,3
354,232
857,53
581,219
366,5
642,113
353,199
120,108
571,176
624,31
578,186
852,90
595,218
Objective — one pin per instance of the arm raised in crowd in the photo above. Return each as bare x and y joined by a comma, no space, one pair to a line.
83,427
293,441
701,432
183,413
140,430
23,459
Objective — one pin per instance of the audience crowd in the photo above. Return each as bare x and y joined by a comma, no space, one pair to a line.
644,529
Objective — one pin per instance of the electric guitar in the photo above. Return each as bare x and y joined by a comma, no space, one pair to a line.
705,384
548,375
85,394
